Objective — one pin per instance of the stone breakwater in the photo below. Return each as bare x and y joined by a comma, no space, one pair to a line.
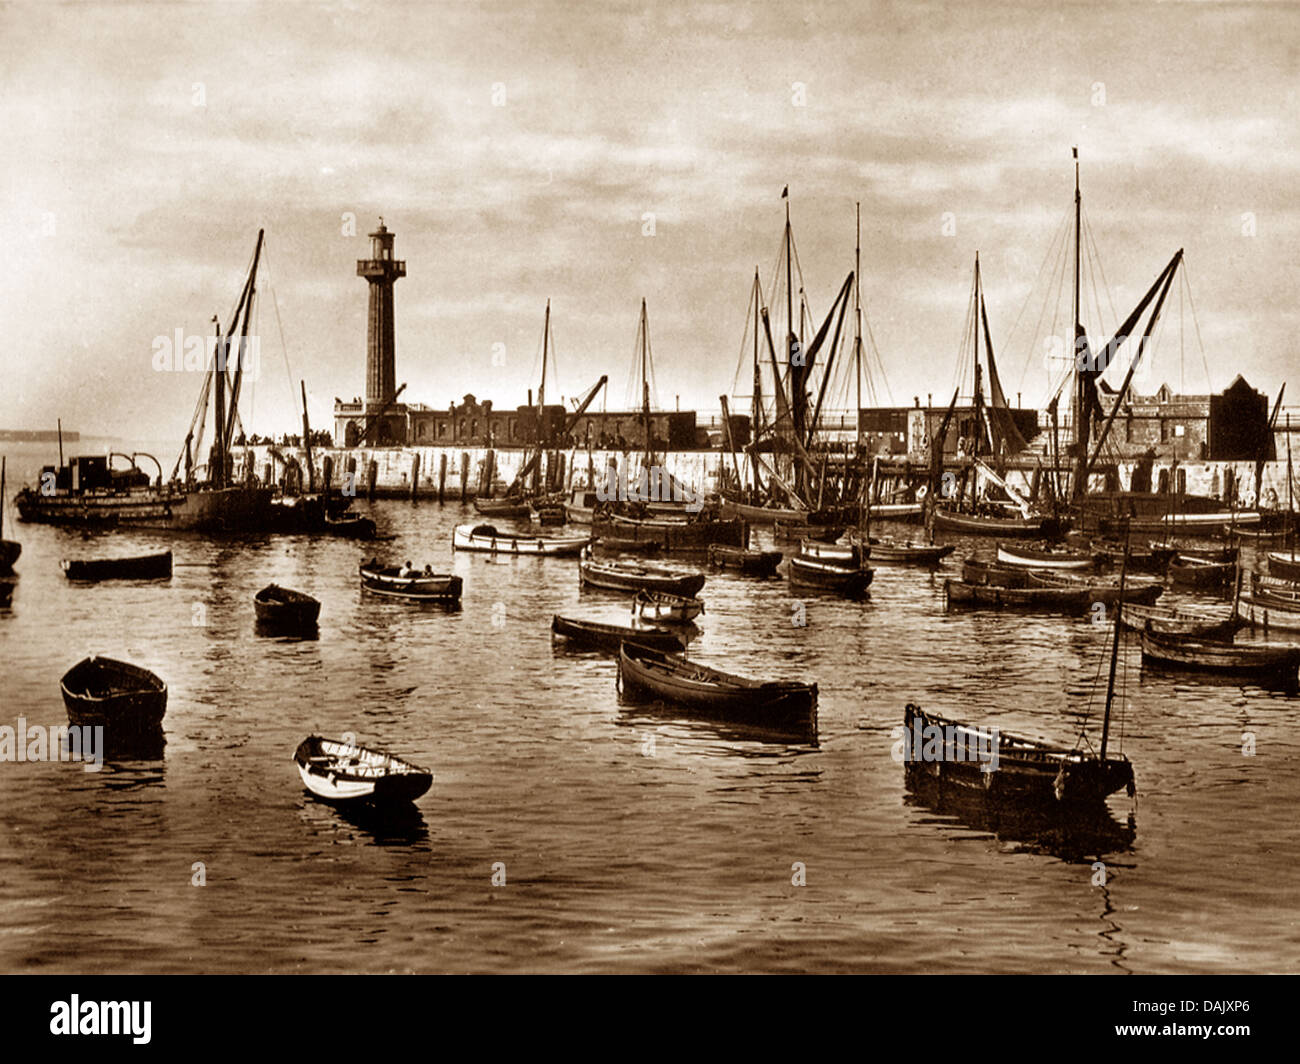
454,473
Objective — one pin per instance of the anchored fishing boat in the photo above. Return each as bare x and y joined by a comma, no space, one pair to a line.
487,539
124,699
746,562
603,635
89,492
349,774
1012,768
139,567
407,583
778,706
283,607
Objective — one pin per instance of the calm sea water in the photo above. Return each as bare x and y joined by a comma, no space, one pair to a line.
630,840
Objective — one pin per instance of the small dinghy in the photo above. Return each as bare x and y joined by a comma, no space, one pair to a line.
660,607
747,562
778,706
601,635
845,555
829,576
1194,572
896,553
630,576
405,583
1269,661
1175,620
1044,558
123,698
345,773
141,567
285,608
489,540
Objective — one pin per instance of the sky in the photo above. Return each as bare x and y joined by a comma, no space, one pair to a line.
598,154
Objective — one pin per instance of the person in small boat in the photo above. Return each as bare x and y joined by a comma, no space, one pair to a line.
428,570
406,570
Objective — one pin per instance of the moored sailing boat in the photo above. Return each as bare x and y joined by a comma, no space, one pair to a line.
87,491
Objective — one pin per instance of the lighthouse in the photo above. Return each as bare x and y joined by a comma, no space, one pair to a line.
380,270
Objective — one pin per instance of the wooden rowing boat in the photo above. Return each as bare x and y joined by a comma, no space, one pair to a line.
698,533
1101,589
845,555
1180,621
1030,771
399,582
1045,557
747,562
896,553
1043,599
1268,612
826,576
794,531
629,576
140,567
1284,564
1163,553
619,545
1007,527
357,775
506,509
1261,660
487,539
976,570
602,635
124,699
1191,523
283,607
659,607
777,706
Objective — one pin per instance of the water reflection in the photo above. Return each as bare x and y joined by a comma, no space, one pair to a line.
1074,835
393,825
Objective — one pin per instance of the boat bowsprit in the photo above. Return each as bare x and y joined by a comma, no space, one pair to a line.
347,773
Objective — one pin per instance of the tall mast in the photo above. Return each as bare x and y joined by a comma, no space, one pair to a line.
645,380
757,413
1080,404
857,316
306,440
2,497
1114,650
541,388
218,476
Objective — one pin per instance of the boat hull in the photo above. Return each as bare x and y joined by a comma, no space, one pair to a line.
621,577
9,552
1026,771
1245,660
126,700
238,509
762,563
674,535
281,608
144,567
438,587
822,576
1006,527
